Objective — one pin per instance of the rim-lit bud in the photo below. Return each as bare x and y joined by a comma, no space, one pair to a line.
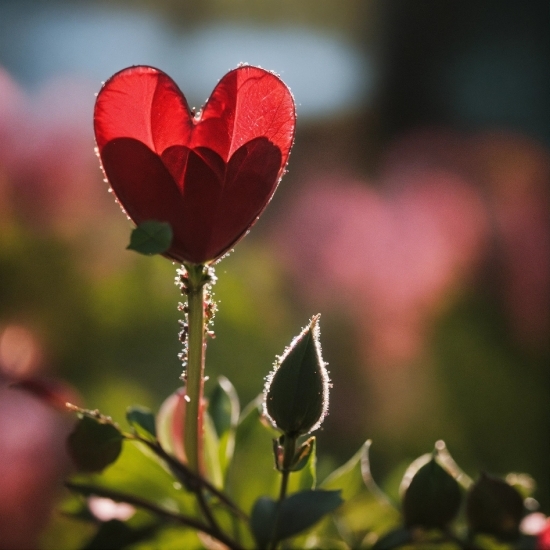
432,498
296,392
494,507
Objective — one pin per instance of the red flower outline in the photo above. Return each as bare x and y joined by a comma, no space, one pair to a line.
208,175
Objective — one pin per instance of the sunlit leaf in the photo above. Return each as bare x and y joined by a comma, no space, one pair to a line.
273,520
363,511
142,421
223,407
304,475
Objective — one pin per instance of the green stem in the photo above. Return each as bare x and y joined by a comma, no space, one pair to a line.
118,496
289,450
196,349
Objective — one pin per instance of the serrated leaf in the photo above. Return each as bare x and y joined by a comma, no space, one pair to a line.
274,521
142,421
93,444
151,237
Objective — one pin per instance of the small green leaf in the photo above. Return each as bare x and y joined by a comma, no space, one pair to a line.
94,444
296,393
142,420
302,510
271,520
223,406
151,237
262,520
211,452
301,458
394,539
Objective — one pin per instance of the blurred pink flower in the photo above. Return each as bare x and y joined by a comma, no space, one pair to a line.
515,172
48,172
393,254
398,249
33,463
33,460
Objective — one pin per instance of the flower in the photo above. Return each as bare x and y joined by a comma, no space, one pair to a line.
210,174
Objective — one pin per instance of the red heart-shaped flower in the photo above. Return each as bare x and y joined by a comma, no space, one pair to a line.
210,175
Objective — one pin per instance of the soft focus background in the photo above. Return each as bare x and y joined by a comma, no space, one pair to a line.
414,217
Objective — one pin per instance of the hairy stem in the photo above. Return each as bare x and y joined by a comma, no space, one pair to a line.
196,350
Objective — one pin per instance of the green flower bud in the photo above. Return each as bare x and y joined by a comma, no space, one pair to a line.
296,391
432,498
494,507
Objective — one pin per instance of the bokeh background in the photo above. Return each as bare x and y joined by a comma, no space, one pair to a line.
414,218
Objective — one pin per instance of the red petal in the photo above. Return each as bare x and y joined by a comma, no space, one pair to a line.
247,103
145,104
210,177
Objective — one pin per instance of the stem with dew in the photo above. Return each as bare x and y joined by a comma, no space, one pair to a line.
194,285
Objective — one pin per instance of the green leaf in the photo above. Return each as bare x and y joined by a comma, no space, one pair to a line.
394,539
253,443
262,520
303,474
115,535
142,421
139,472
212,453
303,454
302,510
151,237
271,520
364,511
223,408
94,444
296,396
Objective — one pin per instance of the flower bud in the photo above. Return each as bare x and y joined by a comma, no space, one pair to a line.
296,392
495,508
432,498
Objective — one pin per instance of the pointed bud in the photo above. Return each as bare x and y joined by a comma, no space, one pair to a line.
494,507
432,498
296,392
